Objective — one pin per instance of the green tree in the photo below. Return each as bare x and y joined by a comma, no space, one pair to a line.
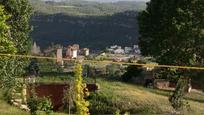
20,11
6,46
80,92
132,71
13,68
172,31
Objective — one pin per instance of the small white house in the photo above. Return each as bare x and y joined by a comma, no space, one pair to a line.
137,51
86,52
135,47
114,47
128,49
59,55
119,51
74,53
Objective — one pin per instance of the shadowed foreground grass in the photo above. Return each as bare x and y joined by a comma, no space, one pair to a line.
7,109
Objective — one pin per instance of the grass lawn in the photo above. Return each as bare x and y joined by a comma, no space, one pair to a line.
125,97
6,109
138,99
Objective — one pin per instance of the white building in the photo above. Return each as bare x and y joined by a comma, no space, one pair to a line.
119,51
128,50
86,52
138,51
59,55
135,47
74,53
71,52
114,47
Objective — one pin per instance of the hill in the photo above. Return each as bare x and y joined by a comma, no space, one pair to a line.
90,24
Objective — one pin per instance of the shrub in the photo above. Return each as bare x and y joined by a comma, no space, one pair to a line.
46,105
33,105
114,70
176,99
101,104
132,71
33,101
169,74
68,101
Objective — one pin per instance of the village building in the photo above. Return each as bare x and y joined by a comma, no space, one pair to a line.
113,47
35,50
135,47
59,56
76,46
119,51
128,50
72,52
85,52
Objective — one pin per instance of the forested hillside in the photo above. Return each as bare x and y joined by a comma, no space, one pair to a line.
90,24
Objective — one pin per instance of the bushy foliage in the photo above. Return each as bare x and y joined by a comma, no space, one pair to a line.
7,46
20,11
132,71
37,103
102,104
175,36
7,69
46,105
33,68
15,39
172,32
33,105
33,101
68,104
176,99
80,92
168,74
115,70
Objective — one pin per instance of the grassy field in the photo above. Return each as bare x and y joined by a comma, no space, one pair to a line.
115,95
6,109
137,99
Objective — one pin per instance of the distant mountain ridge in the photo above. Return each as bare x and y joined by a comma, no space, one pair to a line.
90,24
102,1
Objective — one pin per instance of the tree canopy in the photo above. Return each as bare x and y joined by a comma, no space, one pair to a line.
14,38
6,45
172,31
20,11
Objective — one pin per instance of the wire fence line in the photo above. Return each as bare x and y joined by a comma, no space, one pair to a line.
105,62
